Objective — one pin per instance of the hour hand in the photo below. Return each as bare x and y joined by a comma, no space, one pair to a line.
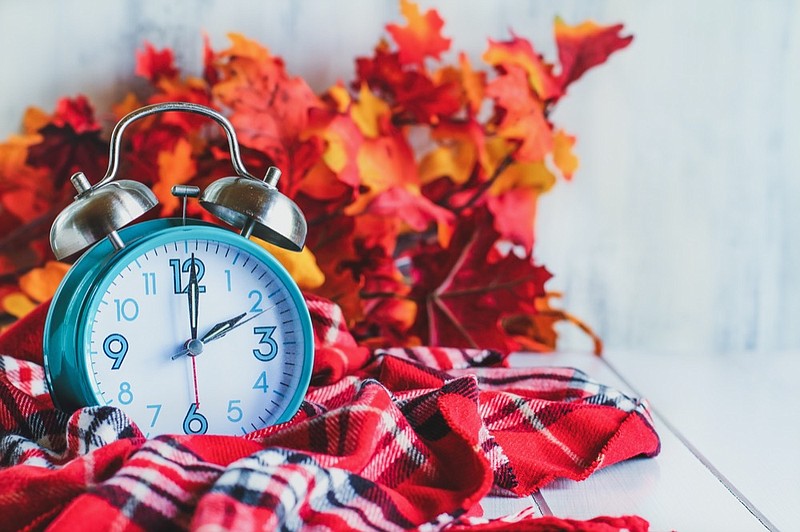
222,328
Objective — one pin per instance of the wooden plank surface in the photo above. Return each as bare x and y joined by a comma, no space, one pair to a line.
739,411
674,491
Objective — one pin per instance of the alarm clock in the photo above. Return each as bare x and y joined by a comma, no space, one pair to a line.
186,326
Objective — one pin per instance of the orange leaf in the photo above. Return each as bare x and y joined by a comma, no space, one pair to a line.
523,117
563,156
128,104
385,162
34,120
473,83
421,37
40,284
520,53
175,167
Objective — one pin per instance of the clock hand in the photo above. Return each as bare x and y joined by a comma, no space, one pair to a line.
218,331
221,329
193,291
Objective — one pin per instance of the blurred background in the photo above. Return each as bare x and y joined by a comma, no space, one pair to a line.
680,231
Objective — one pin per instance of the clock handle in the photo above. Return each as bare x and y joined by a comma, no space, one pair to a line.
253,205
119,129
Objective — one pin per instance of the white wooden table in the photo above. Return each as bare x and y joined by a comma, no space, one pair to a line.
729,428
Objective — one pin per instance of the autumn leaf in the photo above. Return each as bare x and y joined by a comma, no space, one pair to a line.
413,95
421,37
301,265
460,145
370,113
40,284
522,116
36,286
383,163
175,167
413,210
342,139
537,332
463,292
563,156
584,46
519,54
70,143
154,64
514,216
270,109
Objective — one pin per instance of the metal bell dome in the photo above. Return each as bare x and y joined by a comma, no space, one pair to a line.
97,213
257,208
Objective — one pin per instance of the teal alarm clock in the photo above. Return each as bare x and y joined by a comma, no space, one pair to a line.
187,326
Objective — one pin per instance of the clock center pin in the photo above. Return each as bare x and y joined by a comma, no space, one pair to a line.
194,347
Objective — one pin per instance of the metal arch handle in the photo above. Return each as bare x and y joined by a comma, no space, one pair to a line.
116,135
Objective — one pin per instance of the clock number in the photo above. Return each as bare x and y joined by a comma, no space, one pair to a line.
255,294
234,412
177,285
194,422
115,347
127,309
157,409
266,338
261,383
125,395
149,283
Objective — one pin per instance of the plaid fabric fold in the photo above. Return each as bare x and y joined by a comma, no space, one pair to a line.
392,439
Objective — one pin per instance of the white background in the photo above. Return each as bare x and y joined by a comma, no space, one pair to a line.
681,230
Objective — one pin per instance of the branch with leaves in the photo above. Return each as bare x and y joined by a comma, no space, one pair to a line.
430,245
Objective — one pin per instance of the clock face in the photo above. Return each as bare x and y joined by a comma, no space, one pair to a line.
198,335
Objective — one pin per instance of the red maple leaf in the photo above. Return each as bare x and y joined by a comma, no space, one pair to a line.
463,292
155,64
413,94
585,46
421,37
70,143
270,108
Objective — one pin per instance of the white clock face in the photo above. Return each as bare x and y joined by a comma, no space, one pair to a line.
236,369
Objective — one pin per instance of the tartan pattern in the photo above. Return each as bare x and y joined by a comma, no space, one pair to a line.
398,439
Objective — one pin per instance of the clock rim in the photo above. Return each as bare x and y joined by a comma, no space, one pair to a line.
69,379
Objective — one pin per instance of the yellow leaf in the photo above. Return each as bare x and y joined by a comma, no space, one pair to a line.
18,304
341,97
454,161
563,156
34,120
41,283
534,176
175,167
368,111
302,266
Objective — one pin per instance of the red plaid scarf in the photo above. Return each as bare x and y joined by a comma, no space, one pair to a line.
393,439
